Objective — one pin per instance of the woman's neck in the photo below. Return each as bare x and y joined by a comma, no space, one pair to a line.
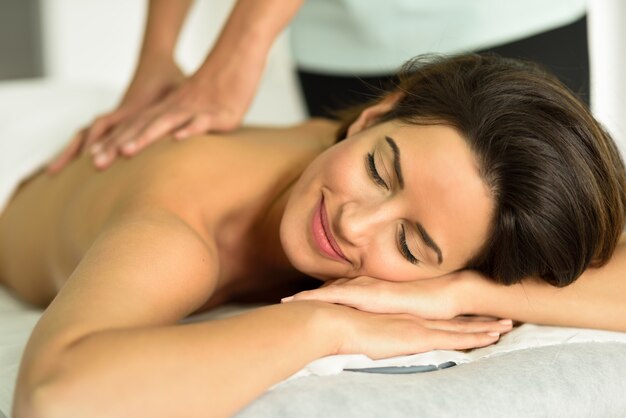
270,255
259,255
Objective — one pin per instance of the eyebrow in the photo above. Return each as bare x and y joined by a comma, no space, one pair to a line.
396,160
428,240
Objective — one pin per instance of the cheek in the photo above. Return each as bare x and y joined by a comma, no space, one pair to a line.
385,262
344,173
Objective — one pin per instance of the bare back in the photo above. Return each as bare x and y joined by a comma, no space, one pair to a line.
218,184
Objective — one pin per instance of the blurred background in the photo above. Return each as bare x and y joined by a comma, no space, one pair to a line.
81,46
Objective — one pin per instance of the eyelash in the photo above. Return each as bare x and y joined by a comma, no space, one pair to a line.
405,249
371,165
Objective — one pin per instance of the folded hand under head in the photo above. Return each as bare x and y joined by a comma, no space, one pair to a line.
382,335
424,314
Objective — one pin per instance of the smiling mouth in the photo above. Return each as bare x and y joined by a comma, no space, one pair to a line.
322,235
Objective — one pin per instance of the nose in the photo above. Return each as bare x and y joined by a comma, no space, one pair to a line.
359,222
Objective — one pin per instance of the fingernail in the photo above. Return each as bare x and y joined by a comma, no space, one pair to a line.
129,147
493,334
506,322
287,299
101,159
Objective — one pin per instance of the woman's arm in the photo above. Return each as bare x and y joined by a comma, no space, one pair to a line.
109,344
597,299
197,370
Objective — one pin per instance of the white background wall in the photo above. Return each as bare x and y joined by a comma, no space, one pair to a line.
607,39
97,41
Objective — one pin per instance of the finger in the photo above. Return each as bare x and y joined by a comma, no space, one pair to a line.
198,125
69,152
338,290
473,318
445,340
331,294
226,120
334,282
157,128
107,146
105,157
100,126
469,327
105,151
375,298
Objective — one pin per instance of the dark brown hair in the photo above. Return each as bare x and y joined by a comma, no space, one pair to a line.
556,177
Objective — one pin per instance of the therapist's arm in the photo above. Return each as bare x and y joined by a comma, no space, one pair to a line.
217,96
597,299
165,19
156,74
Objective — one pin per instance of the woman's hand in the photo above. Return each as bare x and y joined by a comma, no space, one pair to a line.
154,79
437,298
388,335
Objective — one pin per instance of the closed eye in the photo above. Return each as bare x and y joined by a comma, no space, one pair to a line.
371,168
404,249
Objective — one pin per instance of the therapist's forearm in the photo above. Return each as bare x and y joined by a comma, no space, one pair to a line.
163,24
597,299
250,31
207,369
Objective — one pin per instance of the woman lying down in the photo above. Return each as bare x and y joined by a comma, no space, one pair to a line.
480,186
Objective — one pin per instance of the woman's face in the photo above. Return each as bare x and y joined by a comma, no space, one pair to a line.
395,202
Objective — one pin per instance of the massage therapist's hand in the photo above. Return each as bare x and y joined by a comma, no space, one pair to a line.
386,335
156,76
214,99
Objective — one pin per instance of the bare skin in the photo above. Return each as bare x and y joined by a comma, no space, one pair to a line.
58,218
120,256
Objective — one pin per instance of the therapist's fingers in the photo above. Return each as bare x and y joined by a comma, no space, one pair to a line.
71,151
107,148
100,126
200,124
158,127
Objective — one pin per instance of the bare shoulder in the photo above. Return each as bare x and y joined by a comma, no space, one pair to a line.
144,269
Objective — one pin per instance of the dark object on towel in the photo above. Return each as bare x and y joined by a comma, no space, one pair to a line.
404,369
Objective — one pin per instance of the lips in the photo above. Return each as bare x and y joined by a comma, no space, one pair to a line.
322,234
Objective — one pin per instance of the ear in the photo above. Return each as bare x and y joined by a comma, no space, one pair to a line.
370,115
